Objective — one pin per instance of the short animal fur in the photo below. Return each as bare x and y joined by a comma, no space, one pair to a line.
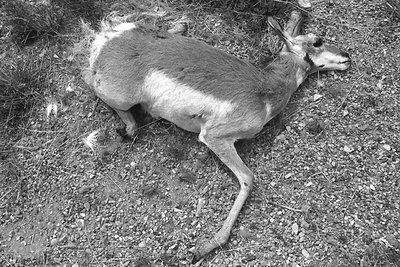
204,90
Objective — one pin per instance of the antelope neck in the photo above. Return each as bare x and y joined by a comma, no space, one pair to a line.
282,78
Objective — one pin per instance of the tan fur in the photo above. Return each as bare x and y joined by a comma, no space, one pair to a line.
181,104
202,89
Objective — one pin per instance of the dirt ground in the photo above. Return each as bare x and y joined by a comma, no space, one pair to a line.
327,188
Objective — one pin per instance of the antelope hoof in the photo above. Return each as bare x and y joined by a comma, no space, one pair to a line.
128,133
202,248
131,131
198,253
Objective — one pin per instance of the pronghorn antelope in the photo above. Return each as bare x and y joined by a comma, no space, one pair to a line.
204,90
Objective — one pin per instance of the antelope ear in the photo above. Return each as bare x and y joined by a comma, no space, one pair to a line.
286,38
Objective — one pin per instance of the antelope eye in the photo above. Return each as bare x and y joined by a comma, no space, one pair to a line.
318,43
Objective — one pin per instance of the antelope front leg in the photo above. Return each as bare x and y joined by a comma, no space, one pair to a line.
129,120
226,151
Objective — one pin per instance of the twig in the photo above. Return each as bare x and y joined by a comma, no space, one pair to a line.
150,123
6,259
8,192
32,147
117,185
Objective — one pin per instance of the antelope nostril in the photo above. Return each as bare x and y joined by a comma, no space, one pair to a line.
345,54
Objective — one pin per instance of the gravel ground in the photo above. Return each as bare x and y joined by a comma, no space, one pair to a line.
327,170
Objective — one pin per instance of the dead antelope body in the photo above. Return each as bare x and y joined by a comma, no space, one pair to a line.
203,90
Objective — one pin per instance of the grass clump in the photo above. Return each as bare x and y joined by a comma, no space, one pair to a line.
91,11
21,86
28,21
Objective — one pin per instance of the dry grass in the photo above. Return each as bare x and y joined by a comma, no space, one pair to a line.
30,21
394,5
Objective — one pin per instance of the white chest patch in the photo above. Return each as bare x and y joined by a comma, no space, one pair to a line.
181,104
106,34
300,77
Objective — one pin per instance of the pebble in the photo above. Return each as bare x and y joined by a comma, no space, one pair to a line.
387,147
80,223
305,253
142,244
348,149
54,242
316,97
133,164
295,229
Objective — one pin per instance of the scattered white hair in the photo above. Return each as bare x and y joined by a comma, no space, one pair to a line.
51,108
91,140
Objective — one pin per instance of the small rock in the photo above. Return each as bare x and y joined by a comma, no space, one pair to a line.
309,184
305,253
303,223
75,265
317,97
202,156
142,244
305,3
187,176
84,189
280,137
372,187
386,147
295,228
348,149
70,88
305,208
315,126
53,242
133,164
149,190
249,258
80,223
288,175
332,241
200,204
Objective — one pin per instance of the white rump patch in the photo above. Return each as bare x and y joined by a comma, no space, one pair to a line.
106,34
168,98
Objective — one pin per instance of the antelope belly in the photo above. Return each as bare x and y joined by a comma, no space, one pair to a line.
183,105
